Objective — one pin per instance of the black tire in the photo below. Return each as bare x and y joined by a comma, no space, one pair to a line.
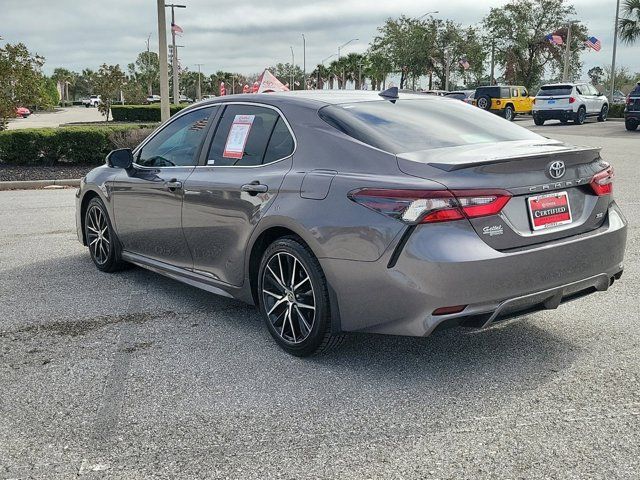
296,337
484,102
87,105
581,116
604,113
631,125
509,113
538,121
104,247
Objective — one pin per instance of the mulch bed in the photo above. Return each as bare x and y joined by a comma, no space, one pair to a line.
36,172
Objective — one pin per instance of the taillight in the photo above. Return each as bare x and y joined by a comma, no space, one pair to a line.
629,100
432,206
602,182
572,99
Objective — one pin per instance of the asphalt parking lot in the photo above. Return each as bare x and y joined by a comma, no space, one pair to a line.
57,117
133,375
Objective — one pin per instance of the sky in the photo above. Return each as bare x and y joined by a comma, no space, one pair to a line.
246,36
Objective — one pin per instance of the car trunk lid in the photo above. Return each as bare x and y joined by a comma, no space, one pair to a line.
523,169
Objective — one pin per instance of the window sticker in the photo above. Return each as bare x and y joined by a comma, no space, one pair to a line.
238,134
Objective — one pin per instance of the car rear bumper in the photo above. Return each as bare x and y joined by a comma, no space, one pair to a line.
554,114
447,264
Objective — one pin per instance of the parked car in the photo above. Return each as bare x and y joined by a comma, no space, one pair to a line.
438,93
619,98
356,211
23,112
153,99
463,95
92,101
569,102
632,110
507,101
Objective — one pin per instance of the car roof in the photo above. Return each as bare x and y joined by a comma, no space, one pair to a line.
317,97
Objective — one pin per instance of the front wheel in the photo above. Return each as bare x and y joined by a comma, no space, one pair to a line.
604,113
102,241
294,298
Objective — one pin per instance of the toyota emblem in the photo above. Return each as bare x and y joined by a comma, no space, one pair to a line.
556,169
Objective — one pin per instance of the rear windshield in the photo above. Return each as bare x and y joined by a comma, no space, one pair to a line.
636,91
555,91
410,125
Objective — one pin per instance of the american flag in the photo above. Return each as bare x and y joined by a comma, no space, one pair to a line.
464,63
593,42
555,39
176,29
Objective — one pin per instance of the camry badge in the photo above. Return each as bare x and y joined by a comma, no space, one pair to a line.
556,169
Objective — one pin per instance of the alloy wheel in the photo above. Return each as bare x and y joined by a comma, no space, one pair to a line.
288,297
98,237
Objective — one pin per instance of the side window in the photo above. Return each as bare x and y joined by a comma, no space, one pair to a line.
281,143
581,90
514,92
248,135
178,143
523,92
593,90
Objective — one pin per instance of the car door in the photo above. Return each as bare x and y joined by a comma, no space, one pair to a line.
148,198
525,101
240,174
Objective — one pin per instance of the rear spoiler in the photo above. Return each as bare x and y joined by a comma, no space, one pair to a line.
568,152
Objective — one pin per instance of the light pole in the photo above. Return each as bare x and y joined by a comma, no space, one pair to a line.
149,81
345,44
322,65
340,47
199,92
447,68
304,62
174,63
293,62
162,59
428,13
567,52
615,47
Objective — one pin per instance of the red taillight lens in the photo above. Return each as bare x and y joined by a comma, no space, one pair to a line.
432,206
449,310
572,99
629,101
602,182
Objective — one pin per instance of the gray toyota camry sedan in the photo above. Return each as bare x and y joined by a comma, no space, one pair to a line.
347,211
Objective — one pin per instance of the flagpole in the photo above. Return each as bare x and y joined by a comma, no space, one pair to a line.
174,61
615,46
162,60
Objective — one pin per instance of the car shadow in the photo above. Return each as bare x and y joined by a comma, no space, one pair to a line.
510,353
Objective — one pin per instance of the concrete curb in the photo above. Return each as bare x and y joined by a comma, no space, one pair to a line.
33,184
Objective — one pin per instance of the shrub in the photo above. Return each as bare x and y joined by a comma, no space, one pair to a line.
74,145
616,111
141,113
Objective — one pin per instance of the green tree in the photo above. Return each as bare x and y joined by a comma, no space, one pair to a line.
596,74
519,29
109,82
85,83
21,80
629,24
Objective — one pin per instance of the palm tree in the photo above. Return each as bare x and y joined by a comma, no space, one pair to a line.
629,25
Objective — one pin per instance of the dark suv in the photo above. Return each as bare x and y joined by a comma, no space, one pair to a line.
632,110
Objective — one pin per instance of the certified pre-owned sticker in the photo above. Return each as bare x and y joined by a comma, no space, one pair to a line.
493,230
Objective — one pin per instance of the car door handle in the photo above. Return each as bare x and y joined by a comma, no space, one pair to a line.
254,188
173,184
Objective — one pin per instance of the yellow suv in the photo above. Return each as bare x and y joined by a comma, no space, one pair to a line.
507,101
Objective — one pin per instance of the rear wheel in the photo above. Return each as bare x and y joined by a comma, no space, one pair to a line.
538,121
294,299
604,113
581,116
102,241
509,113
484,102
631,125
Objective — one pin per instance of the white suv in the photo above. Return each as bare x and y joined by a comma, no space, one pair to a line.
569,101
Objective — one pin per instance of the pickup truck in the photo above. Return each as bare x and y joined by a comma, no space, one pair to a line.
632,110
92,101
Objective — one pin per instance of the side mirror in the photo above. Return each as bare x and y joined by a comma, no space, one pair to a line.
121,158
